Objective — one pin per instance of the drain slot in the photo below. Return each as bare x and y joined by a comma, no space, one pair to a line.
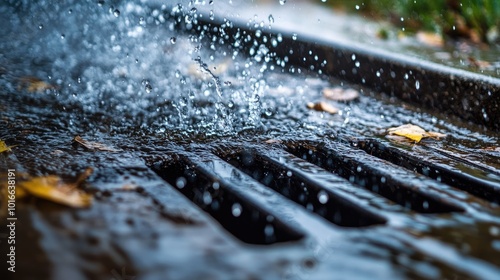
469,178
332,206
239,215
394,183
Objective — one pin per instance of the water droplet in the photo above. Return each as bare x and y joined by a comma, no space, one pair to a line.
294,36
236,209
116,12
227,83
181,182
322,197
193,10
173,40
417,85
289,173
269,230
282,2
40,26
216,185
100,3
142,21
148,88
271,19
357,7
207,198
63,36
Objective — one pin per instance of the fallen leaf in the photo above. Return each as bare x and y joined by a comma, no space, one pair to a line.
4,147
53,188
340,94
413,132
93,145
33,84
273,141
430,39
322,106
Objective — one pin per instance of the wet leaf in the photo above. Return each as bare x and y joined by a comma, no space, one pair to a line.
430,39
53,188
414,132
4,147
93,145
340,94
323,106
33,84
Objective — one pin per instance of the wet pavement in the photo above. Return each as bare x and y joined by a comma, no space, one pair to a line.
206,142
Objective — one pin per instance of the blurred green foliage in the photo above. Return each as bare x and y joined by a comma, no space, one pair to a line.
478,20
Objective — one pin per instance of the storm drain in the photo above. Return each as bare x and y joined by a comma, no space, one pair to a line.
315,176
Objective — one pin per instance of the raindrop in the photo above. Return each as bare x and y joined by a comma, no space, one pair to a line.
289,173
63,36
282,2
357,7
269,230
116,12
417,85
495,231
100,3
227,83
181,182
207,198
271,19
211,2
142,21
322,197
294,36
148,88
426,205
173,40
236,209
40,26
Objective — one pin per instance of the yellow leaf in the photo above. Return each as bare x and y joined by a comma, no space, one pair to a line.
4,147
53,188
93,145
340,94
413,132
322,106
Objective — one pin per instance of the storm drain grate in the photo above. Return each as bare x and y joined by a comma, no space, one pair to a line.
313,176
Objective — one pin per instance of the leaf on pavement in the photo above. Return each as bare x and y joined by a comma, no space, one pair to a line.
93,145
322,106
4,147
34,84
53,188
414,132
340,94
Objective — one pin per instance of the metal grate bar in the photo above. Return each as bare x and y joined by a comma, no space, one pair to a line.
406,188
246,219
465,176
295,185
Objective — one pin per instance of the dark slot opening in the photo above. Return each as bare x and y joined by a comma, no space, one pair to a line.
376,180
237,214
449,175
303,191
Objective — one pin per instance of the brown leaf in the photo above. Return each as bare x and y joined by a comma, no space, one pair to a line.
430,39
323,106
340,94
93,145
34,84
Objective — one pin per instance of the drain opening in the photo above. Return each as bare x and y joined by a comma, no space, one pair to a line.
374,176
303,191
240,216
456,174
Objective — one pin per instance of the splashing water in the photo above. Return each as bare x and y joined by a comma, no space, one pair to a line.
129,62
